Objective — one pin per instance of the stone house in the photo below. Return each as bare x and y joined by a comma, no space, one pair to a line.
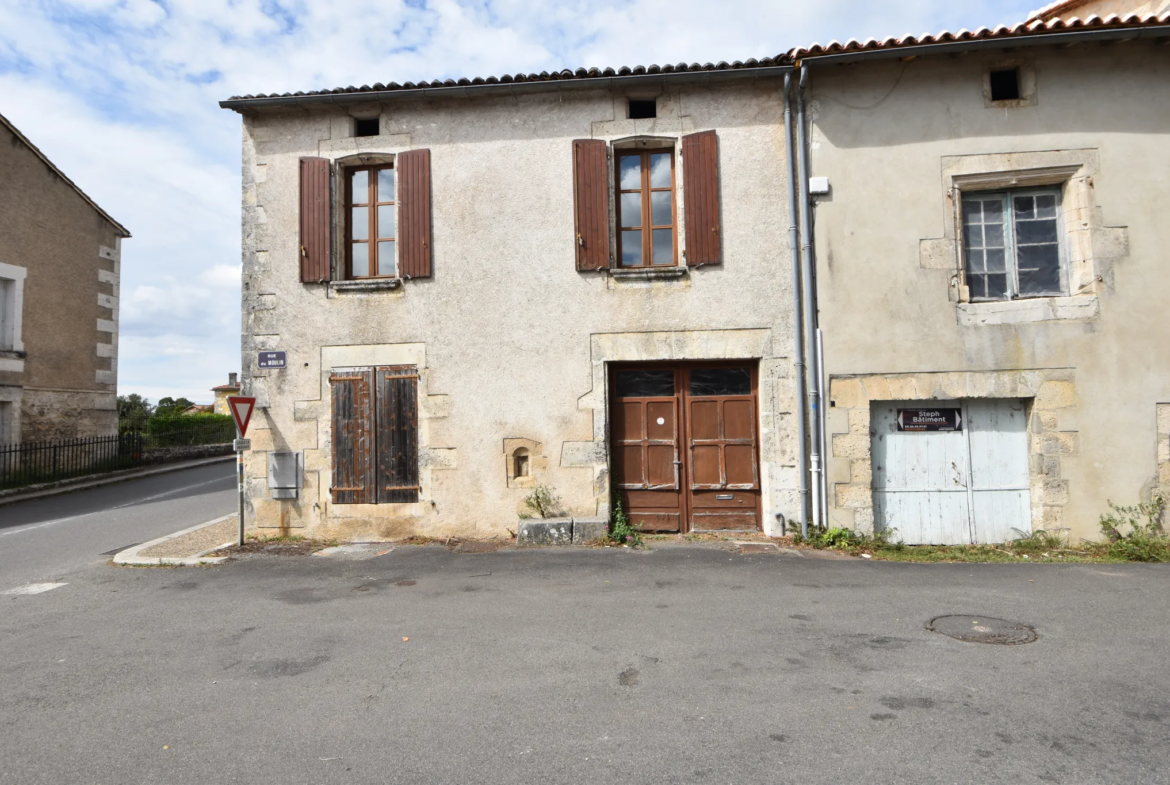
222,391
580,280
60,258
1000,261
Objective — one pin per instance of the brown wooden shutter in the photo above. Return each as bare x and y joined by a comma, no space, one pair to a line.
414,213
353,438
591,203
700,154
315,223
397,423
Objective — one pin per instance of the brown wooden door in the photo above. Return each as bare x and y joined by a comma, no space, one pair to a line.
646,439
685,446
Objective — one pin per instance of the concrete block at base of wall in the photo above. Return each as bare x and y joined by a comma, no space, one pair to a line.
545,531
589,529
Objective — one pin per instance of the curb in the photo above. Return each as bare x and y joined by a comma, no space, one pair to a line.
85,483
130,557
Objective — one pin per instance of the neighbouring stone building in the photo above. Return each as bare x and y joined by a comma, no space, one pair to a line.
60,257
588,280
993,246
222,392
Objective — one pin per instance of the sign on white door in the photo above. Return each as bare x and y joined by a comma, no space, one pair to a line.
967,483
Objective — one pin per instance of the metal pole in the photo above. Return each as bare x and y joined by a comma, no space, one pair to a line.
797,314
810,305
240,485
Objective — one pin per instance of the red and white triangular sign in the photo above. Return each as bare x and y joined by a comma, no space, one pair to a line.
241,409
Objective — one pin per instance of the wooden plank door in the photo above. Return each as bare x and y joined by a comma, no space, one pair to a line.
920,479
1000,482
646,438
722,448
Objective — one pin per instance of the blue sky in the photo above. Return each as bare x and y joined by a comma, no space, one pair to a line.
122,95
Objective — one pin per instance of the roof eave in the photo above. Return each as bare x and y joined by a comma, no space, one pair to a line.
510,88
1000,42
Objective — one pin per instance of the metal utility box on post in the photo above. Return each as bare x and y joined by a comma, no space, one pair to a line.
286,474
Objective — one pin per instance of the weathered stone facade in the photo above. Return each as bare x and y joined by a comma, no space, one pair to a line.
895,304
511,342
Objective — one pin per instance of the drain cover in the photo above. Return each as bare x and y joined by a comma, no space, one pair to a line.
983,629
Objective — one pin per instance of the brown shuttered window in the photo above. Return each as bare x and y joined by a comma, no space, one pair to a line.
645,211
700,162
414,204
591,203
397,428
315,223
375,435
353,437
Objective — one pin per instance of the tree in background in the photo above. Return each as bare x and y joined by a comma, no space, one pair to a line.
133,413
169,407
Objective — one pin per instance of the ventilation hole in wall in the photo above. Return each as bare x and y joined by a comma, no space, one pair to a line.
520,463
1005,85
365,126
642,110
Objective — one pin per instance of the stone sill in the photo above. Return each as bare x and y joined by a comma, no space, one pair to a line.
1036,309
373,285
649,273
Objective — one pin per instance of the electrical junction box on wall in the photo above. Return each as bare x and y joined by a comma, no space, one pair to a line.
286,474
818,185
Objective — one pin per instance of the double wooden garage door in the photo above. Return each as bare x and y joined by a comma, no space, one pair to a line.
686,446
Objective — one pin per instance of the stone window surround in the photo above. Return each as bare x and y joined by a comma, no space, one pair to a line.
337,284
1027,77
1052,433
11,338
313,433
537,462
1090,247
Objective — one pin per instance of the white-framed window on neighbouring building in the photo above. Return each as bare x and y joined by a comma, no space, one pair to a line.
1012,244
11,307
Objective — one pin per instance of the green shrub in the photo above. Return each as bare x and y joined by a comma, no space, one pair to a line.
544,502
1135,533
621,530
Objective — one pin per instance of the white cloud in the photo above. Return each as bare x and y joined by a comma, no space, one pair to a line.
122,95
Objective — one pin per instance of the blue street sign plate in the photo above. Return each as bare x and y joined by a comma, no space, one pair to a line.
271,360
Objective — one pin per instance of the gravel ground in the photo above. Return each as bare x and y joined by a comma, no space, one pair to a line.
196,542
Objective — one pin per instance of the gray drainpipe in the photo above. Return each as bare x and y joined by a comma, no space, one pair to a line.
797,314
810,309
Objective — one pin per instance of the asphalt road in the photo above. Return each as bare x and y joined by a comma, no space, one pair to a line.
681,665
47,539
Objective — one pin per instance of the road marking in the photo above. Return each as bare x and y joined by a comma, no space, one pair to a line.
54,522
35,588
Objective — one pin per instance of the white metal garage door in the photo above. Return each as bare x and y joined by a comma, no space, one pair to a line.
961,477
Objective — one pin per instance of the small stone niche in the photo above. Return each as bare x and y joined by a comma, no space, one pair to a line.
523,462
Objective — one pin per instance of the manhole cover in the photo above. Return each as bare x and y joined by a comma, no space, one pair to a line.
983,629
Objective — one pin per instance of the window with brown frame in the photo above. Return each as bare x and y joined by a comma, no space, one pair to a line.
645,209
372,222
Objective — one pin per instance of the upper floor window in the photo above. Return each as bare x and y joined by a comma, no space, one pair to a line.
645,210
1011,244
372,222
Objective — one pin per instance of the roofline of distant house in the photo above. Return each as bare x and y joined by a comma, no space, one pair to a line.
52,166
553,84
993,42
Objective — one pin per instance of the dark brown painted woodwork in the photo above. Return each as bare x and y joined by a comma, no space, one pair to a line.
701,198
353,440
648,222
591,203
397,430
716,485
315,221
414,213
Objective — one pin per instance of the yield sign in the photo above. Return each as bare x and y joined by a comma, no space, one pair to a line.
241,409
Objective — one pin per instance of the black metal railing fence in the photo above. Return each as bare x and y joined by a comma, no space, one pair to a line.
28,463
